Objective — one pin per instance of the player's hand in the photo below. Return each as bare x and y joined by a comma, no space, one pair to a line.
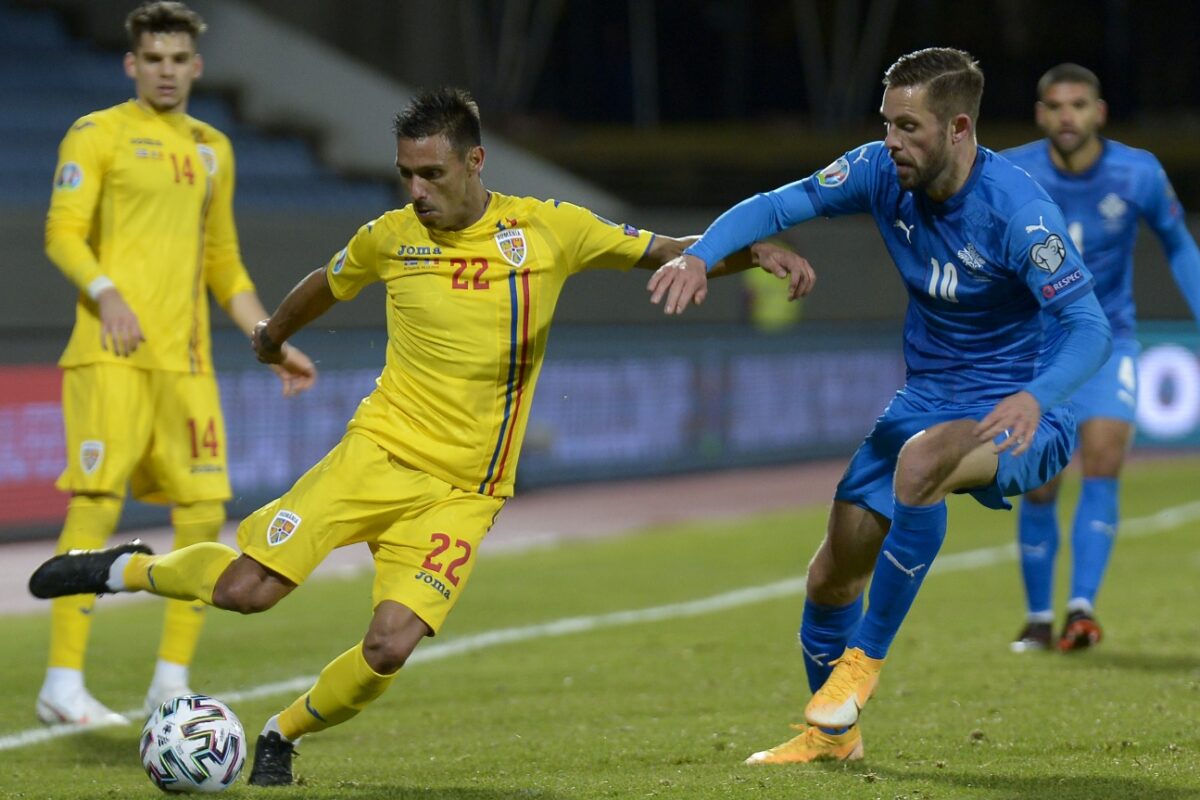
1018,415
267,351
297,371
682,281
783,263
119,326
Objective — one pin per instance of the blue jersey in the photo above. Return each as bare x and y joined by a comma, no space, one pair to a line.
1102,206
978,268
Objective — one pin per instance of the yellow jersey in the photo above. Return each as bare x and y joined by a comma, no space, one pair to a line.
145,199
468,317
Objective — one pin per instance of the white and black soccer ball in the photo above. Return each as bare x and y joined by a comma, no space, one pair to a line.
193,743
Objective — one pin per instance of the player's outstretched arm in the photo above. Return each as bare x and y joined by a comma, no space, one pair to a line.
785,264
683,280
308,300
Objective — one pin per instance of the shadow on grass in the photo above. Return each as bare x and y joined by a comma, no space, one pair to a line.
106,746
120,746
351,790
1141,662
1059,787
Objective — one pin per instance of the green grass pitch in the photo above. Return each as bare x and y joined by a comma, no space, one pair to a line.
667,703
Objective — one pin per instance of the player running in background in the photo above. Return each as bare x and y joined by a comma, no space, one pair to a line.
983,252
430,456
1103,187
141,221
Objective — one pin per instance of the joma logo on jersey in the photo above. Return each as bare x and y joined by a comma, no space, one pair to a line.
418,250
511,242
282,527
434,583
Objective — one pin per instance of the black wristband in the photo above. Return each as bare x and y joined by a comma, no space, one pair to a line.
267,342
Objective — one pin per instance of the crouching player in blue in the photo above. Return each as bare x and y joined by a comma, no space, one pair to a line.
983,252
1102,187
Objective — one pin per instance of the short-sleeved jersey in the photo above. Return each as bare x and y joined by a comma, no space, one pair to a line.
468,316
978,268
1102,206
146,199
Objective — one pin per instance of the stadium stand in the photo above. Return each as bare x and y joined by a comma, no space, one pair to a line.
48,79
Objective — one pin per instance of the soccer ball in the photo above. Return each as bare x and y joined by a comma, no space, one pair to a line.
193,743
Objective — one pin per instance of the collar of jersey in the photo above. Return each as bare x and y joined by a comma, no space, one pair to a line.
1087,173
175,119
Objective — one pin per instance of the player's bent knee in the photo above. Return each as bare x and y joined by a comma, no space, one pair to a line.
242,599
386,656
394,633
248,588
929,461
1043,495
918,471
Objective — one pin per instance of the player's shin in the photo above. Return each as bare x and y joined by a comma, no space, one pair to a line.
824,632
91,519
344,688
184,620
908,551
1038,540
1092,537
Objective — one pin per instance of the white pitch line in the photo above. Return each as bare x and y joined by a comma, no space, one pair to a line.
1165,520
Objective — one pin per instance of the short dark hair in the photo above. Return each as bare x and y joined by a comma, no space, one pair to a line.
447,111
952,79
1067,73
162,16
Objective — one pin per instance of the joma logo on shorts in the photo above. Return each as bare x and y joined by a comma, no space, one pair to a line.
434,583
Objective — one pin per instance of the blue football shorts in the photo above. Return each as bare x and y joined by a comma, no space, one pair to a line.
1112,391
868,480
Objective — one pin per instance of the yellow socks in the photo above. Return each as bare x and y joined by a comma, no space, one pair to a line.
187,574
91,519
345,687
184,620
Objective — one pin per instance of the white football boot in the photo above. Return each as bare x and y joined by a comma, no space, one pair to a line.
75,706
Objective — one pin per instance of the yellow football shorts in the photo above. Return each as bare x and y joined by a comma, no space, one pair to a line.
423,532
160,432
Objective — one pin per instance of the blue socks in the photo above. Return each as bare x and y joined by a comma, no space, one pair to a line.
1092,537
908,551
1038,541
823,635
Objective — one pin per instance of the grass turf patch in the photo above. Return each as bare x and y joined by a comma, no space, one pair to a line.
670,707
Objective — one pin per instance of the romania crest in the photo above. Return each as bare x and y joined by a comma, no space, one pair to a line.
209,157
282,527
512,245
91,453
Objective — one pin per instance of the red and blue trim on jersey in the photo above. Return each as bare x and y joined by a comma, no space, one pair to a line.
518,293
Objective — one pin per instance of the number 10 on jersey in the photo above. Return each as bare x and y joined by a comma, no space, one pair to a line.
943,281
